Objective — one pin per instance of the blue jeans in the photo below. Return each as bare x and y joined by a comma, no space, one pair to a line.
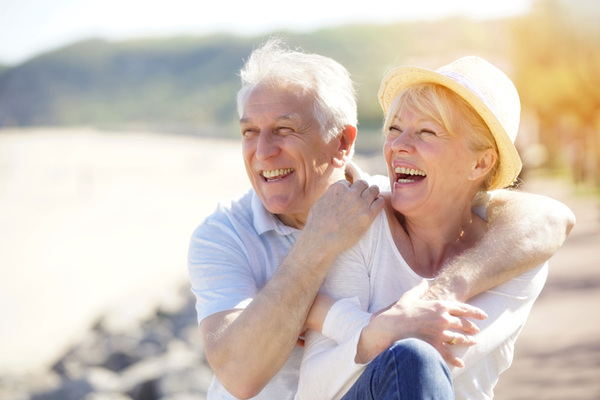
409,369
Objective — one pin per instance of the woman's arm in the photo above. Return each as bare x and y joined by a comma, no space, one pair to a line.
525,230
328,367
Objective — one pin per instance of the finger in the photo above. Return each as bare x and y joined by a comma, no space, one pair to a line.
458,339
360,185
343,182
463,324
449,357
370,192
377,205
466,310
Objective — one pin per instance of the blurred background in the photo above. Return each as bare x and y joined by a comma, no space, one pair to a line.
119,135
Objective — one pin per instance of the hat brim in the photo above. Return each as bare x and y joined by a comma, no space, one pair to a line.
399,78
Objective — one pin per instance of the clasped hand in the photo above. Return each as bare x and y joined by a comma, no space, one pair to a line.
435,322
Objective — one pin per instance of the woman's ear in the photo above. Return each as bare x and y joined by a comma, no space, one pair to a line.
483,164
344,142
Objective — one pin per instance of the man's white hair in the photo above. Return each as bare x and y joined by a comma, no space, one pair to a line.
328,81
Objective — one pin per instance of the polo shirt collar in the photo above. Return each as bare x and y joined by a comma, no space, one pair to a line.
265,221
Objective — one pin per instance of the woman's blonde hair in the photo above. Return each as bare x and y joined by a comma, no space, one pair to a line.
449,110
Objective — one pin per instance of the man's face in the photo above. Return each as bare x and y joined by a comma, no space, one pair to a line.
288,162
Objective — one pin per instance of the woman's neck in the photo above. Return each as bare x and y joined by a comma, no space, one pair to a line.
434,240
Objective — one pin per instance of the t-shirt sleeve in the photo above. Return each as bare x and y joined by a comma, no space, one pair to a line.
344,320
328,368
219,269
507,306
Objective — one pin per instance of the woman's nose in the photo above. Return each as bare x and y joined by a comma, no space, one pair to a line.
266,146
403,142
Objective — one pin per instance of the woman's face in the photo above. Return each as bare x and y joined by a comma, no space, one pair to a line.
430,170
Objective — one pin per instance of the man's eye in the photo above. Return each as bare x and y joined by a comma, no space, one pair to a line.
284,129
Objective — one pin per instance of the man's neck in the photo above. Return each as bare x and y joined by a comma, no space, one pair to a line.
298,220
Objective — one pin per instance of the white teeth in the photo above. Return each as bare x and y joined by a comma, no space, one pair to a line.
276,172
409,171
405,181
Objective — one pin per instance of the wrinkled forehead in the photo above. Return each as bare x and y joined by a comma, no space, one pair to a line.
281,102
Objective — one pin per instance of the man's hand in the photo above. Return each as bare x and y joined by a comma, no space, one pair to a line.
435,322
524,231
343,214
246,348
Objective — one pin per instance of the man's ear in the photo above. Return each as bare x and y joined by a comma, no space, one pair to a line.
344,142
483,164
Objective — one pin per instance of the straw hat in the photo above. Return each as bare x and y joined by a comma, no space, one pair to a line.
487,89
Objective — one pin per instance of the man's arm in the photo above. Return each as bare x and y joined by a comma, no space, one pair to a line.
525,230
246,348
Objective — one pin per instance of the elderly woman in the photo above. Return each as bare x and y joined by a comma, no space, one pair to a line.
449,142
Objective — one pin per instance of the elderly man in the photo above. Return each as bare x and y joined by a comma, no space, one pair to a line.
257,263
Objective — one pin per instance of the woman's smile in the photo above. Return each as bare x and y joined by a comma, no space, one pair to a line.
409,175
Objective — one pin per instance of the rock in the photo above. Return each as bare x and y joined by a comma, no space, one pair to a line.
145,391
193,380
161,357
107,396
69,390
103,380
118,361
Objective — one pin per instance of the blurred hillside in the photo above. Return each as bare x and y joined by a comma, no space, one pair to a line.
188,84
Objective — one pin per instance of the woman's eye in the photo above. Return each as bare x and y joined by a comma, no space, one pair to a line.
394,130
427,132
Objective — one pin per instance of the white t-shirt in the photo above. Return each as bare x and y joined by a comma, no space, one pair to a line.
232,256
371,275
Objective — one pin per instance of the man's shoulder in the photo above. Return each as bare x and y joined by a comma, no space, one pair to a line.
230,215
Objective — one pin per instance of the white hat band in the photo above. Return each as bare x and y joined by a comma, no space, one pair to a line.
473,88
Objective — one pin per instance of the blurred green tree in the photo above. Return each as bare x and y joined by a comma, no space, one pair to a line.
557,61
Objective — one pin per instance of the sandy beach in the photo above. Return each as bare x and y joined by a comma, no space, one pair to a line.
557,355
95,223
98,223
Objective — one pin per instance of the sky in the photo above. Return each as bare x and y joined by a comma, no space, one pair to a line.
31,27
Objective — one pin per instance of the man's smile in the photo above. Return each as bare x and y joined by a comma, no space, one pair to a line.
276,174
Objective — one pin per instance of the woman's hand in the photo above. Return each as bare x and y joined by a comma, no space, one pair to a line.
438,323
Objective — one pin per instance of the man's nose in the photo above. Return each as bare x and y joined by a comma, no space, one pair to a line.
266,146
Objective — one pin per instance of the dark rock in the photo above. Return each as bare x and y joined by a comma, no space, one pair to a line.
161,357
70,390
118,361
145,391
